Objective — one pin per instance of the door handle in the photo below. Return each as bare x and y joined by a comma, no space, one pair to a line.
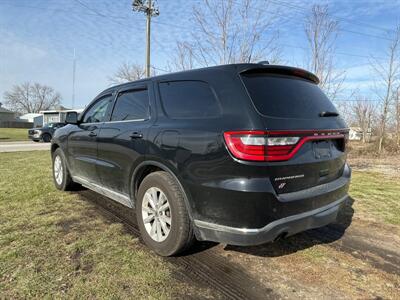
92,134
136,135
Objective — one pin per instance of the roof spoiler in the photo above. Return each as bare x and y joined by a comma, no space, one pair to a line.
283,70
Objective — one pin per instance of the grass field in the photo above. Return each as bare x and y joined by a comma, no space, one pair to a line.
377,196
13,134
56,243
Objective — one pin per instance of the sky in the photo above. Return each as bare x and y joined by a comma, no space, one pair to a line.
38,38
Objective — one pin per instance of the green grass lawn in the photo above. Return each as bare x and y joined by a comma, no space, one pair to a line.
377,196
54,244
13,134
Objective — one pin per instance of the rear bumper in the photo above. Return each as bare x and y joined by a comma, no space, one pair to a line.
283,214
285,226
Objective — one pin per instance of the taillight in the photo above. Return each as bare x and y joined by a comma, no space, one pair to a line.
271,145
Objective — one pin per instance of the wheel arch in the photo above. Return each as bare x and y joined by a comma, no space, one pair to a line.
54,147
147,167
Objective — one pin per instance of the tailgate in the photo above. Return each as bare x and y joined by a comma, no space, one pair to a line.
304,136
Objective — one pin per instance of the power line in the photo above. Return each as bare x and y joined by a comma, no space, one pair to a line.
304,11
335,52
366,34
356,100
112,18
357,23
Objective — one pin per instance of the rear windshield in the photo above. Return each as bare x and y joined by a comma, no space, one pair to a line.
286,97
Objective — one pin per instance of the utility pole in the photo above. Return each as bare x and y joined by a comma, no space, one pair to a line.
73,80
150,11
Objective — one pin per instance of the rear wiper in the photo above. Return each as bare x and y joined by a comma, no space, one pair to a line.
328,114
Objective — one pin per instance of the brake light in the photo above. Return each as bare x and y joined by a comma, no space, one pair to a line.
271,145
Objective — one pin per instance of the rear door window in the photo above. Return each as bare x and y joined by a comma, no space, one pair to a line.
286,96
132,105
189,99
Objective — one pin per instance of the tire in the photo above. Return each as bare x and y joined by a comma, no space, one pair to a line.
180,235
63,180
46,138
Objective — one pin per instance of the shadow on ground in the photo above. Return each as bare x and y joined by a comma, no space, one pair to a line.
199,266
127,217
304,240
292,244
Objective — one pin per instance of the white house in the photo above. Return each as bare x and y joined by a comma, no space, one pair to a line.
57,115
48,116
356,134
36,119
29,117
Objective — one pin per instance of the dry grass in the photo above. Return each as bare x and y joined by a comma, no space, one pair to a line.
54,244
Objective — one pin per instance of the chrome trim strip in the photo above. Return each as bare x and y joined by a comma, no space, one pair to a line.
110,122
125,121
116,196
254,231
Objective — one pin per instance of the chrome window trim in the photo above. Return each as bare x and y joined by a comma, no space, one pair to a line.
125,121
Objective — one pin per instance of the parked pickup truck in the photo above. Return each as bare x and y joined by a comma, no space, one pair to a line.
45,133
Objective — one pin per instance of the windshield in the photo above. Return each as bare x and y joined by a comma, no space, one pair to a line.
286,97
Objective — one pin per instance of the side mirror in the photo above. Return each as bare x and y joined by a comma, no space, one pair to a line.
71,118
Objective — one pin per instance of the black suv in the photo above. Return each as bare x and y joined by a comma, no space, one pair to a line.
240,154
44,133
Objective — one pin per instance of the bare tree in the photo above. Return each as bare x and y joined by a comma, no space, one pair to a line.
321,32
31,98
364,114
388,73
127,72
183,58
230,31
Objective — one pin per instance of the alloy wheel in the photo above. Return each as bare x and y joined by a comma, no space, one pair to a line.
58,170
156,214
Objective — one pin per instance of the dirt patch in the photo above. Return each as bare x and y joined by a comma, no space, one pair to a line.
360,261
214,276
389,165
80,266
66,225
352,258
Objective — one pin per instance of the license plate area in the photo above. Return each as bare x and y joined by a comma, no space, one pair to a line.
322,149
